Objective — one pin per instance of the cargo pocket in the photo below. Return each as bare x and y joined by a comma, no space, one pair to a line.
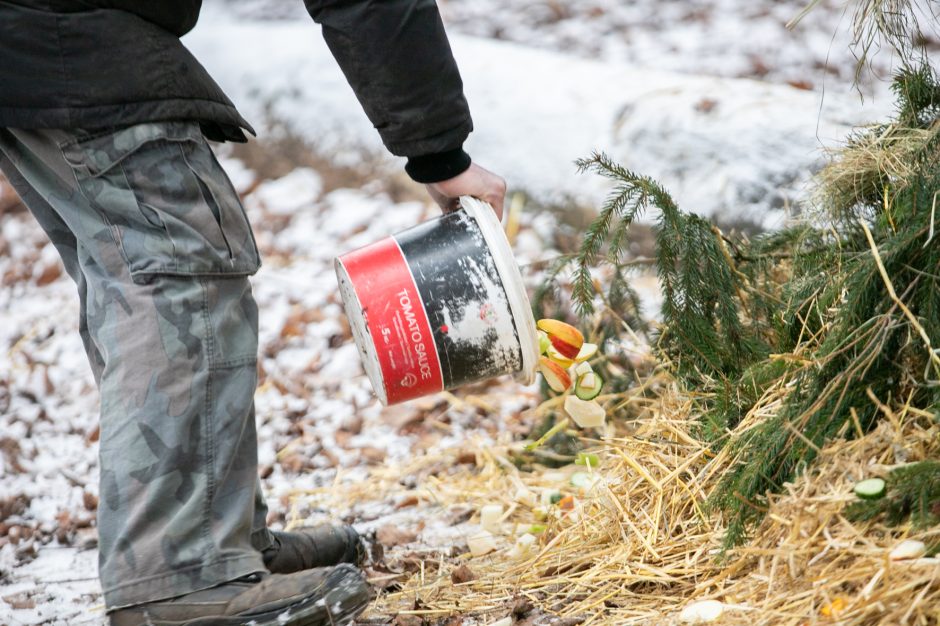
169,204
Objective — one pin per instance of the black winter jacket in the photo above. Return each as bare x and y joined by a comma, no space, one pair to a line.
102,63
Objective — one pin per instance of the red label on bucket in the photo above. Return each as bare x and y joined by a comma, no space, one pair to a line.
397,321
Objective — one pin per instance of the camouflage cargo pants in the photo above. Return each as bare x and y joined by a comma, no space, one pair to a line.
156,240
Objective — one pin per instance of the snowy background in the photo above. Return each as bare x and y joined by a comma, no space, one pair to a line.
715,98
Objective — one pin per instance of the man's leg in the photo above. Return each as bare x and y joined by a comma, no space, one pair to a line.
161,255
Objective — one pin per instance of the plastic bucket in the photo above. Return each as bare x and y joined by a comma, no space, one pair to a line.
438,306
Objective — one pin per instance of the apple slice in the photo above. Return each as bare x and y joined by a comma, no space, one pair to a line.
588,350
558,357
555,375
564,337
585,413
568,350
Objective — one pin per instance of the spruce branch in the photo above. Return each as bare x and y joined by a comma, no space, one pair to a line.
821,317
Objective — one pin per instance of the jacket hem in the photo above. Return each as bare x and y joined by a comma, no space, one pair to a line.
221,120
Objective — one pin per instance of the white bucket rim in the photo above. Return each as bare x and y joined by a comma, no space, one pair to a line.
360,330
513,285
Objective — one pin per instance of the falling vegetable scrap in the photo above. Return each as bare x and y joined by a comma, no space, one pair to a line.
563,361
490,517
556,505
482,543
564,364
583,480
566,503
525,543
555,375
564,337
585,413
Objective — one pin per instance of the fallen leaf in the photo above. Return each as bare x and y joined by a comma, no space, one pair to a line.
706,105
391,536
521,605
801,84
466,457
90,501
352,425
462,574
295,463
407,501
20,601
372,455
49,274
458,515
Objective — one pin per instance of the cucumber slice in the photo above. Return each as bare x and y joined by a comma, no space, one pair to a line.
588,393
870,489
581,480
584,480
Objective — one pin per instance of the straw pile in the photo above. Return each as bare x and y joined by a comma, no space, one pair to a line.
640,544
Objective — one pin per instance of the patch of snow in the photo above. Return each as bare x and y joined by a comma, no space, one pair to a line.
735,148
287,195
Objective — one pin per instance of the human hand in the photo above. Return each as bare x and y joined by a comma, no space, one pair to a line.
476,182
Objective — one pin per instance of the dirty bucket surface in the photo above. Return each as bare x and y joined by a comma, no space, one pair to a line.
438,306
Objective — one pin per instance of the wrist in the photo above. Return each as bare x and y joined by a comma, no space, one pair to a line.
434,168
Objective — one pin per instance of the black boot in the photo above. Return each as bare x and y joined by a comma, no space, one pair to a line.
320,597
313,547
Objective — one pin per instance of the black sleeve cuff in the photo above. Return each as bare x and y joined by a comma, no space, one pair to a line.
433,168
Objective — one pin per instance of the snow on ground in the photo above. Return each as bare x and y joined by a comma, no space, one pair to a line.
729,38
733,147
